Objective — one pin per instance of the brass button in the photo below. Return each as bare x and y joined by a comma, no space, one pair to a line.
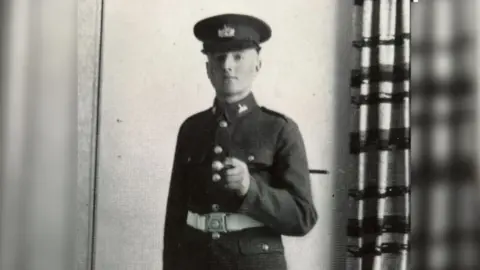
217,150
265,247
251,158
217,165
215,235
215,207
223,124
216,177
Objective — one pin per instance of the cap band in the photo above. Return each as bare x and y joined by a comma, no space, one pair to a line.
231,45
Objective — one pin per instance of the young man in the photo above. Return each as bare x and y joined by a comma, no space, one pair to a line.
240,177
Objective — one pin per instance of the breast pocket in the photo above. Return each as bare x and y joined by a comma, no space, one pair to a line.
197,169
259,160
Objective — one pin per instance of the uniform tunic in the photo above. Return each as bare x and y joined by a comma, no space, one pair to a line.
279,194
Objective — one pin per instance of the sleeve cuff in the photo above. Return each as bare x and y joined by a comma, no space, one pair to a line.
249,198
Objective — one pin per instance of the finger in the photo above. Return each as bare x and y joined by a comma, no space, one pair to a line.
232,186
228,162
228,167
237,162
233,171
233,179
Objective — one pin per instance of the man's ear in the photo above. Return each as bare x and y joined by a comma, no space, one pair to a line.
259,64
207,68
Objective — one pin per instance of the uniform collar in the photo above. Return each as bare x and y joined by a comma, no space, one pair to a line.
235,110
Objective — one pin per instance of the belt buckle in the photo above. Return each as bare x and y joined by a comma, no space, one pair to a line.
216,222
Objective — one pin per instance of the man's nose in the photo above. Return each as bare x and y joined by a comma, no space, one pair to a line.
228,62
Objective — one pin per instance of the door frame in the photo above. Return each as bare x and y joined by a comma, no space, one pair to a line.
90,25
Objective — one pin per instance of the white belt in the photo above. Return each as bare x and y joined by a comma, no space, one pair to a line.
221,222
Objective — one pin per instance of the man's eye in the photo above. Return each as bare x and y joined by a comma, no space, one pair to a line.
238,57
220,57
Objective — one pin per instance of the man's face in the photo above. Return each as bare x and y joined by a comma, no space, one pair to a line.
232,73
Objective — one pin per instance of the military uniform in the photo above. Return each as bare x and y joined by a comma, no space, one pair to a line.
210,227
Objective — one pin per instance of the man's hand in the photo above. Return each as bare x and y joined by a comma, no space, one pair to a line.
237,176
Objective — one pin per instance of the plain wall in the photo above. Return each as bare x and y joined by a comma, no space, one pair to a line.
153,77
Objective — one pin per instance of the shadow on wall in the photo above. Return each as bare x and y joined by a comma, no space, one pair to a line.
340,171
445,231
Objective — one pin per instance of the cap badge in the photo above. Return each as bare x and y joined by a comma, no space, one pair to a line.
242,108
226,31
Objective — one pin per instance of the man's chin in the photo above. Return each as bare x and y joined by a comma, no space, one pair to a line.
227,92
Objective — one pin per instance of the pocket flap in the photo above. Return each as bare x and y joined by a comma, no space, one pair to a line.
262,158
259,246
195,157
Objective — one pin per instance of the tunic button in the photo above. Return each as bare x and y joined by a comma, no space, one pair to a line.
265,247
215,236
251,158
223,124
216,177
217,150
217,165
215,207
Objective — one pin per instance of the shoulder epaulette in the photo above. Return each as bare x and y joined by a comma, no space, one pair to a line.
272,112
196,116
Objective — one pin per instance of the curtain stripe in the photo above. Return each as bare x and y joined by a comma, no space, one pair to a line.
398,73
374,192
397,40
376,98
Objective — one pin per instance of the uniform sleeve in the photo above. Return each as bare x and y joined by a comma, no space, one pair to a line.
288,208
176,209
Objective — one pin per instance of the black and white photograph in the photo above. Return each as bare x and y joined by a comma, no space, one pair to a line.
218,135
238,135
252,135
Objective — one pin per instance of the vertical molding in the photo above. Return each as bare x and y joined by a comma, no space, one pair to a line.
89,59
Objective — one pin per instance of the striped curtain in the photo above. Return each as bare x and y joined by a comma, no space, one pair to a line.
445,216
379,191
